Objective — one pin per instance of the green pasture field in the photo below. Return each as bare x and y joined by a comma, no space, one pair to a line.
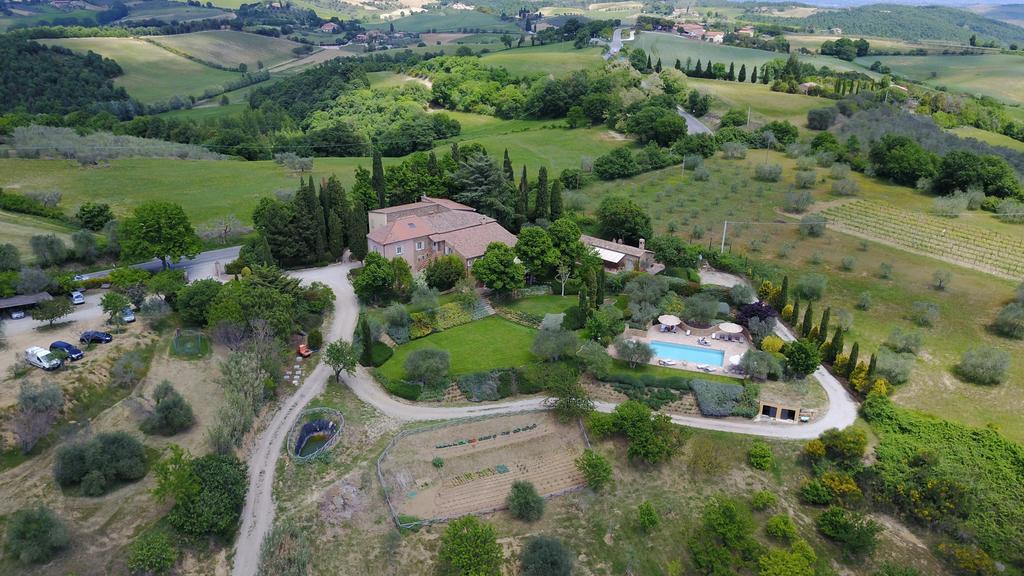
447,20
989,137
475,347
42,12
696,210
171,11
627,16
230,48
151,73
813,42
557,59
996,75
669,46
764,104
547,304
18,229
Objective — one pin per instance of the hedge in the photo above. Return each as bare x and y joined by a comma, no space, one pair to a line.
716,399
493,385
400,388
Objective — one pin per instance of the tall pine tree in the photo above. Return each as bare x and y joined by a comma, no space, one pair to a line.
657,66
510,173
743,73
753,75
309,226
823,326
698,71
731,75
556,200
365,342
377,179
523,199
854,352
805,328
542,205
836,346
357,229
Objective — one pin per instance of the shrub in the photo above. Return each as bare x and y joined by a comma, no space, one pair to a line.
839,171
845,447
893,366
600,425
172,414
554,344
863,301
763,500
647,517
537,377
984,365
734,150
444,273
315,340
574,318
214,504
968,559
524,503
469,546
856,534
1011,211
797,201
768,172
822,118
701,174
813,225
594,359
805,179
1010,321
716,399
35,535
428,366
618,163
924,314
848,263
845,187
546,556
772,344
152,553
811,286
814,492
903,341
110,457
652,437
595,469
781,527
760,455
632,351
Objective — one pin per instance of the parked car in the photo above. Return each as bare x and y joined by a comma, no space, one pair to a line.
77,297
42,358
127,315
17,314
73,352
91,336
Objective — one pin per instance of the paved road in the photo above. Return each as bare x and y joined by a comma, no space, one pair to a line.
616,44
258,514
202,266
693,124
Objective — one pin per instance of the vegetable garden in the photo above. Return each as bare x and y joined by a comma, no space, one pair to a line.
962,244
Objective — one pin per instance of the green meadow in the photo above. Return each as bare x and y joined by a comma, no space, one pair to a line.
448,20
18,229
151,73
556,59
998,75
230,48
764,104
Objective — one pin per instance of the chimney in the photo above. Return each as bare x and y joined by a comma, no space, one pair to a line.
641,244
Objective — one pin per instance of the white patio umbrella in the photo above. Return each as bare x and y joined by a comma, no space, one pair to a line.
735,360
669,320
730,328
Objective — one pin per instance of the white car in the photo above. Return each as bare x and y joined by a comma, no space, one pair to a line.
17,314
127,315
77,297
42,358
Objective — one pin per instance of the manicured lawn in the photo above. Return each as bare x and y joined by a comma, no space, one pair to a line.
541,305
151,73
475,347
558,59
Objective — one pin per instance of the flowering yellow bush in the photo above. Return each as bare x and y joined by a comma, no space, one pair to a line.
772,343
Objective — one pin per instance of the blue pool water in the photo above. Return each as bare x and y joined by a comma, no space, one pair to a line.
686,353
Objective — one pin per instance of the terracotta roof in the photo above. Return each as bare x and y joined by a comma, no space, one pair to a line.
400,230
400,208
447,221
472,242
613,246
449,204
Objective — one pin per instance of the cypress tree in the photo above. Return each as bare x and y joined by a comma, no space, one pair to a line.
308,225
709,72
805,328
542,205
765,76
731,75
679,65
657,67
556,200
432,168
753,75
853,359
698,71
335,236
837,345
743,73
784,293
377,178
823,327
795,317
871,366
456,155
506,168
648,67
357,229
365,341
599,299
523,200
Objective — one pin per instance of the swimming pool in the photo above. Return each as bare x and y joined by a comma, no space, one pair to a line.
668,350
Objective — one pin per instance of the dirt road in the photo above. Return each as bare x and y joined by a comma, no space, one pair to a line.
258,515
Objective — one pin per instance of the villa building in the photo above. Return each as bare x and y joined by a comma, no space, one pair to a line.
692,30
619,257
432,227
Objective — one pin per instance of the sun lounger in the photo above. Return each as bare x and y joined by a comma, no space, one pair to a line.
664,362
687,332
714,336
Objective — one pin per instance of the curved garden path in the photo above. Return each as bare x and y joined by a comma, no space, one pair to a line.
258,513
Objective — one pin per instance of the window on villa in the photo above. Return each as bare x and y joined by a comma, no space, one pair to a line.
398,250
419,245
447,250
437,246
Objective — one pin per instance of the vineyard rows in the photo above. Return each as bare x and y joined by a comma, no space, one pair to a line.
940,237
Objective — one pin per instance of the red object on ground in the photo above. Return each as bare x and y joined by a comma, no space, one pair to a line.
304,351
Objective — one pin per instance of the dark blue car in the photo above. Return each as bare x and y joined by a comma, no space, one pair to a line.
91,336
72,351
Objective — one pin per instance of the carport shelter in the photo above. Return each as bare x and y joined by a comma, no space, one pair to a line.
18,302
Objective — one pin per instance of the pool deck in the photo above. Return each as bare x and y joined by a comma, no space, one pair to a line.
729,348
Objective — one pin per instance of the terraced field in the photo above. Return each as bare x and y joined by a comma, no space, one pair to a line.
966,245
